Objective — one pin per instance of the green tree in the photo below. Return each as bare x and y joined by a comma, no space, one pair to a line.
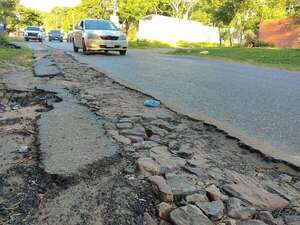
7,11
131,11
28,17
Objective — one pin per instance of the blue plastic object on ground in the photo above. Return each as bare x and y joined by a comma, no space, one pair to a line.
151,103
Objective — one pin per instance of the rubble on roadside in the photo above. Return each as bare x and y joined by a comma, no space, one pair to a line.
170,170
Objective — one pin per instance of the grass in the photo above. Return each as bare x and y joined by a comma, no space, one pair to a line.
273,57
15,39
144,44
21,57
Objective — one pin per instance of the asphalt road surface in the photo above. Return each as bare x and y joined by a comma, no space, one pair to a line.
261,103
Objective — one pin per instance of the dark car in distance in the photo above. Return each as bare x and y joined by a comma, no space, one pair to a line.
55,35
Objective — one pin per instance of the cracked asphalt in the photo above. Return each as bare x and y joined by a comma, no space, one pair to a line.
261,103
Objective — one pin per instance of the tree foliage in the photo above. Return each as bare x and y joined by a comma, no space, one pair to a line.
28,17
234,18
7,11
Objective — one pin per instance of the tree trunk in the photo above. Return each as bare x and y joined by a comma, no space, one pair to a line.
127,26
220,36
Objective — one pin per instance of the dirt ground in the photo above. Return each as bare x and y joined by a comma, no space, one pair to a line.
114,190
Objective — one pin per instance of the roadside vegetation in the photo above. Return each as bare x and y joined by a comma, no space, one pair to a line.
274,57
11,55
144,44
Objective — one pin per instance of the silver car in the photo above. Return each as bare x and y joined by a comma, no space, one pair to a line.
34,33
99,35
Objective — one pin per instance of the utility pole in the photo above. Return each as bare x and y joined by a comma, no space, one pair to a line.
115,18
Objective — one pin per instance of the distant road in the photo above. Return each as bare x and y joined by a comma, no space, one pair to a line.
261,103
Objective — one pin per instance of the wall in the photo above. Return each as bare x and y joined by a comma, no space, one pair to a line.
169,29
282,33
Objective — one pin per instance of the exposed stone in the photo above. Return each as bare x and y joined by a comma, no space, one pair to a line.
230,222
251,222
297,185
135,131
214,210
164,210
199,172
284,190
180,185
185,151
189,215
119,138
124,125
163,124
158,131
167,161
279,221
181,127
200,162
148,167
163,222
224,198
173,144
109,126
196,198
236,210
125,120
148,220
23,149
285,178
213,192
256,196
161,188
155,138
266,216
145,145
292,220
135,139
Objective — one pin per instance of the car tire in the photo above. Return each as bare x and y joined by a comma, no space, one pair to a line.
40,40
26,39
85,51
74,47
123,52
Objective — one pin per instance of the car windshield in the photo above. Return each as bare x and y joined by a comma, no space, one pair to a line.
55,32
99,25
33,28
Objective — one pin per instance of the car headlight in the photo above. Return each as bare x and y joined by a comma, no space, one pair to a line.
122,37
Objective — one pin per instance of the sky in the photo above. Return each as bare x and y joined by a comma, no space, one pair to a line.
47,5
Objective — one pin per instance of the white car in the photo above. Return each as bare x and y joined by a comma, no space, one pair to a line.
99,35
34,33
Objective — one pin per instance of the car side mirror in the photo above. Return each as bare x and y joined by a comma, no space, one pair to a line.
78,28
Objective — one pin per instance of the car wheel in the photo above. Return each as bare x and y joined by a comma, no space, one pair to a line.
123,52
26,39
40,40
84,49
74,47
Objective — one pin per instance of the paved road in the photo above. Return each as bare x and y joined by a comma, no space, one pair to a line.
260,102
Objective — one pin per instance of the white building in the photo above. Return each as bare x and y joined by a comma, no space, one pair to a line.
169,29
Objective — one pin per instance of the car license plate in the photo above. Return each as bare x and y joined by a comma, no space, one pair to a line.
110,45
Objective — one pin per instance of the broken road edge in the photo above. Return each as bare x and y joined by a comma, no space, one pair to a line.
264,149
